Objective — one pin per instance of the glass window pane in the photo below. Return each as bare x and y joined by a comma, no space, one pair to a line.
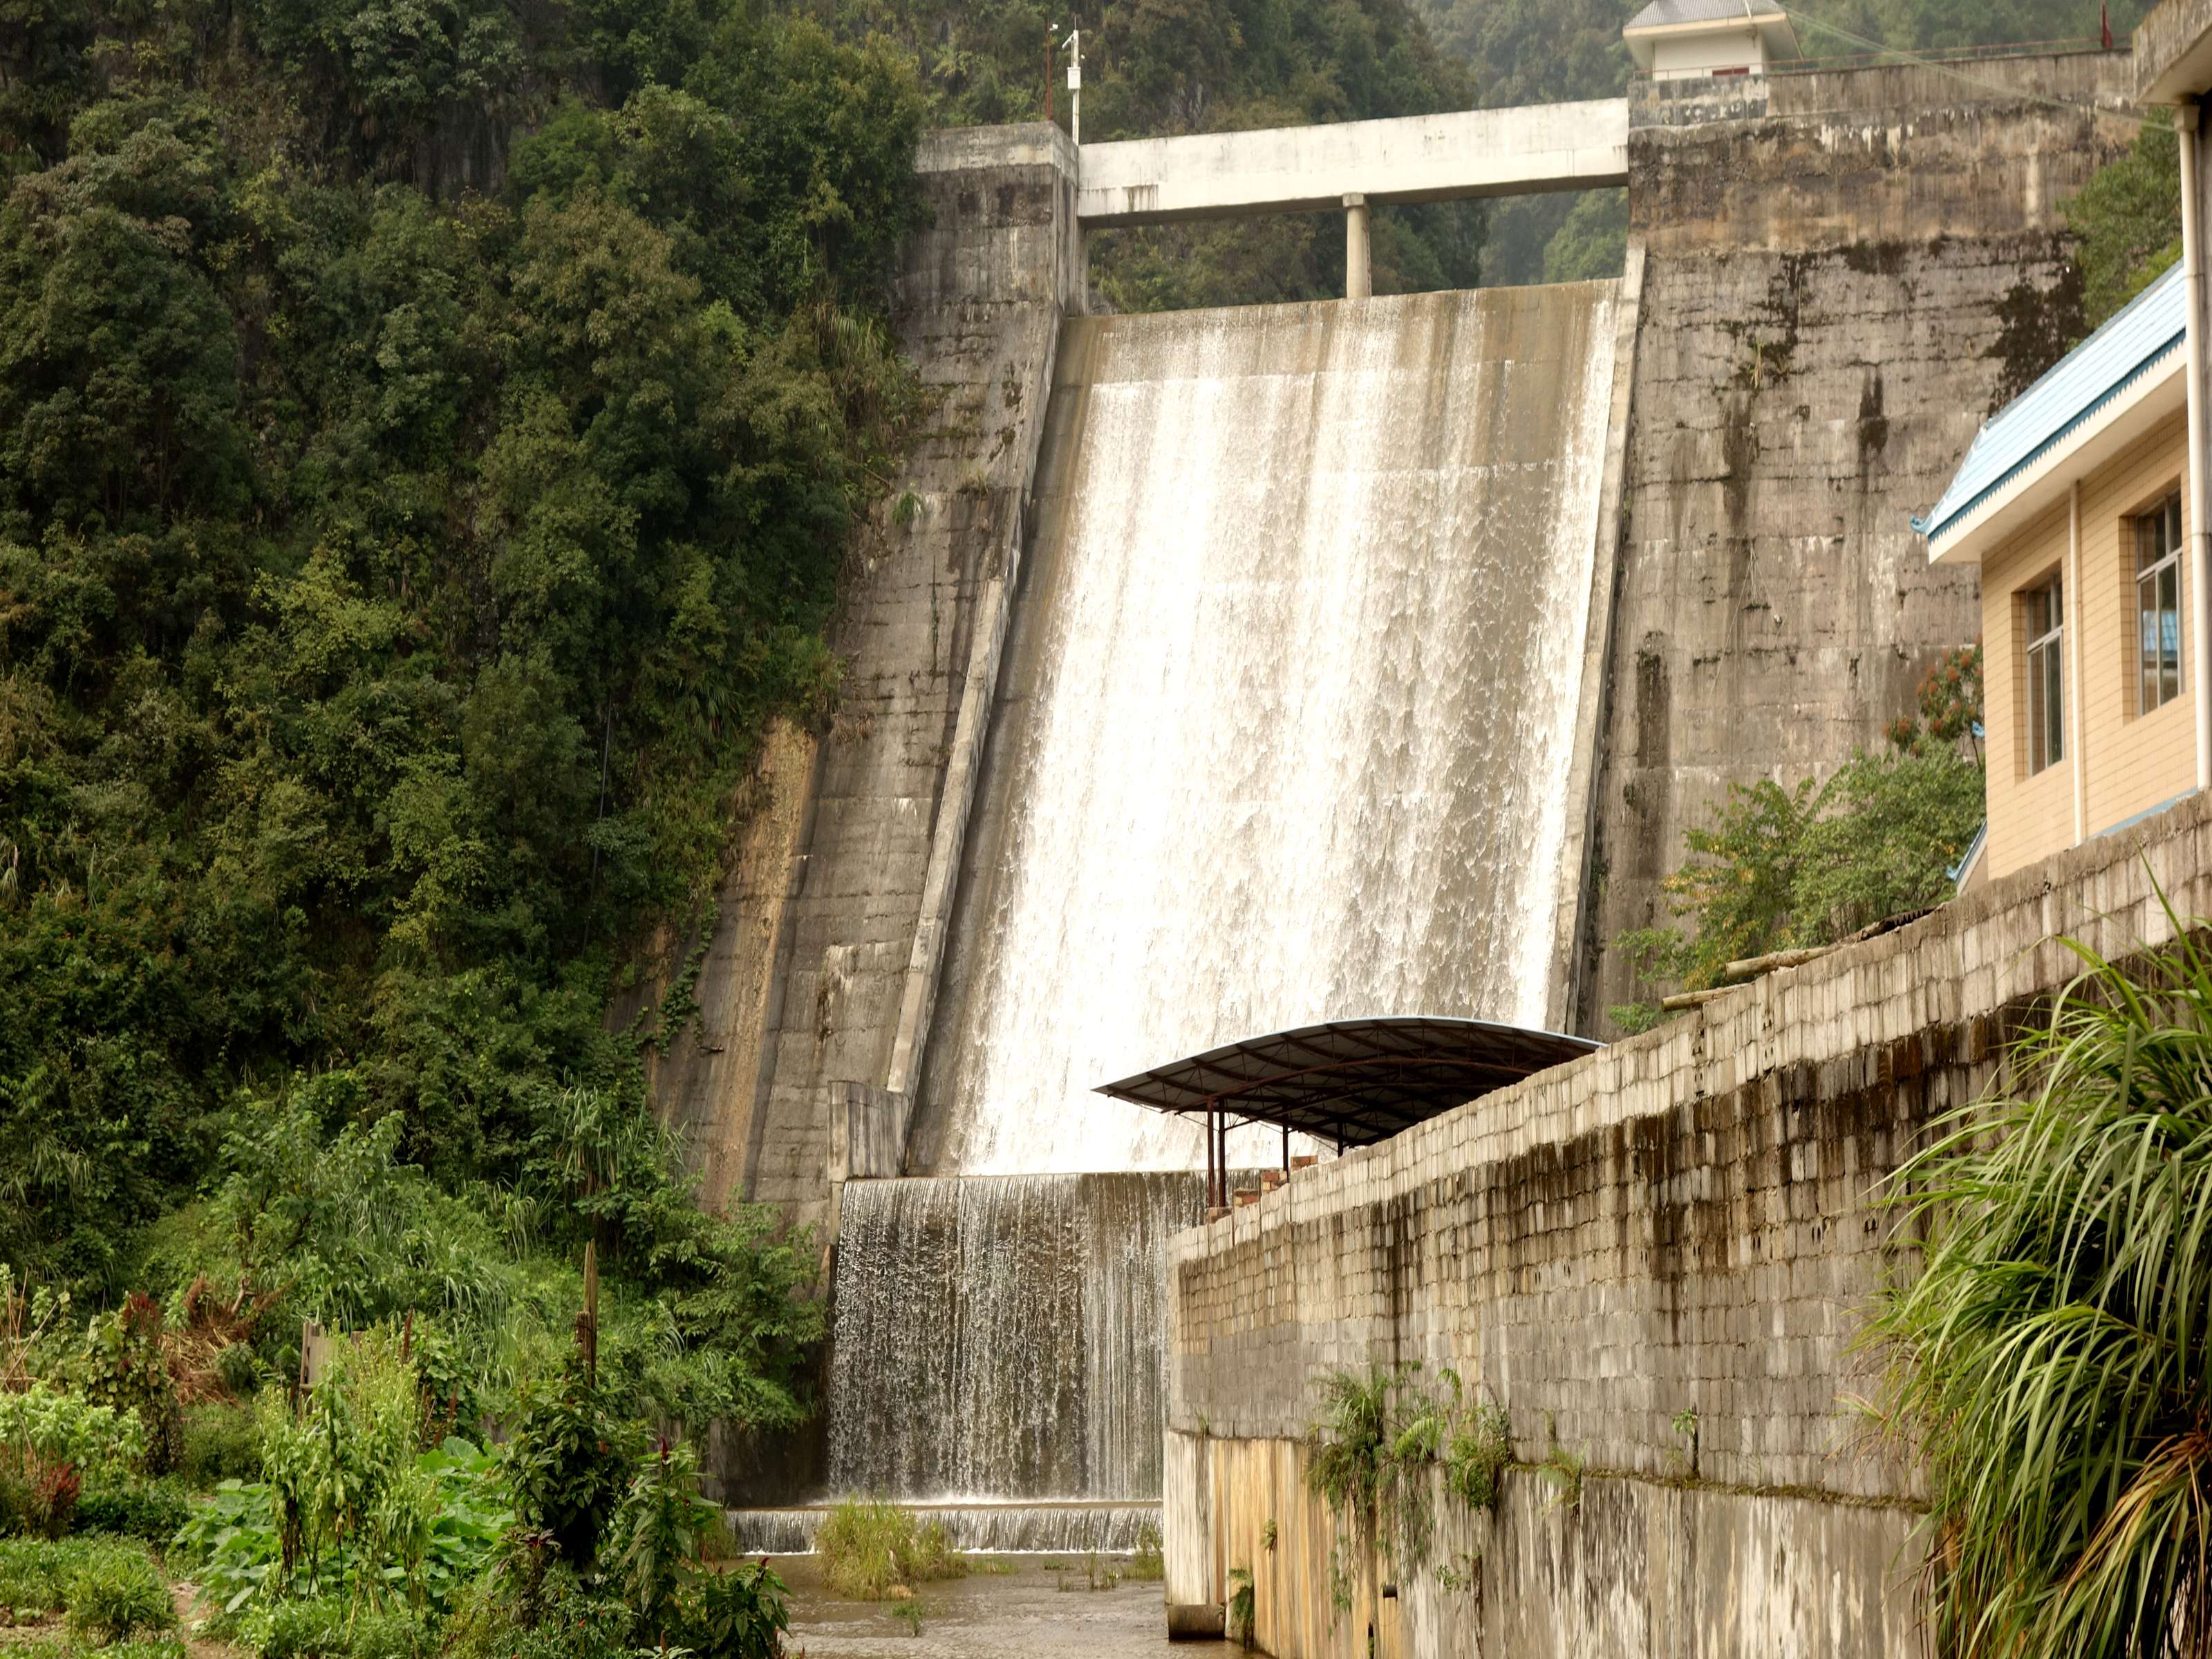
2053,709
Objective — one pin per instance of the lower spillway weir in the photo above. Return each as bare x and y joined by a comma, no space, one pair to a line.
1284,733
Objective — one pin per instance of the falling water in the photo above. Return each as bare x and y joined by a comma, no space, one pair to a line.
1288,716
999,1338
1284,734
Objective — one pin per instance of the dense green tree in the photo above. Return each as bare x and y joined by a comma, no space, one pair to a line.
2129,220
393,584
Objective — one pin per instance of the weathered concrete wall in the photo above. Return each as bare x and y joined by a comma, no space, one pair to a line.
825,949
1843,279
1632,1566
1411,158
1681,1222
2173,51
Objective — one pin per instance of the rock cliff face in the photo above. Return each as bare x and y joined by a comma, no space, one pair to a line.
1845,273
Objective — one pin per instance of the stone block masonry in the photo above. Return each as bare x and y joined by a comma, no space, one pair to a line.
1843,278
1685,1222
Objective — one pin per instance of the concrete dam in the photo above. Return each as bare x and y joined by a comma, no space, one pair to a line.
1286,716
1224,670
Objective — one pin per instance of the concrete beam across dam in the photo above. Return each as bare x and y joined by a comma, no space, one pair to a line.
1414,158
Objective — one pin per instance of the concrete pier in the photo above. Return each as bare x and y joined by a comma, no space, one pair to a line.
1358,279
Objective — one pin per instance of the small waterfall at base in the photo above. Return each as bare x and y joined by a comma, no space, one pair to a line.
998,1339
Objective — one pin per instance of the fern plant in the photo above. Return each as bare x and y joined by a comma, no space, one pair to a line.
2053,1358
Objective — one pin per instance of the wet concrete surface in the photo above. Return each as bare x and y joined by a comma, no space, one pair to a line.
1034,1607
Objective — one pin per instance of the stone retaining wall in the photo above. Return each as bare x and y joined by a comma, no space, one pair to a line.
1681,1222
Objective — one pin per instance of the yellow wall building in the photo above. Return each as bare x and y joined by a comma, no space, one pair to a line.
2073,502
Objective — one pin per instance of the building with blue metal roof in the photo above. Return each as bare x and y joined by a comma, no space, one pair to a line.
2071,500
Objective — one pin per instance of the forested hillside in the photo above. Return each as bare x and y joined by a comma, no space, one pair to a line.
429,435
427,439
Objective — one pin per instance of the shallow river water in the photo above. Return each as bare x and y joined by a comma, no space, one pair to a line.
1043,1609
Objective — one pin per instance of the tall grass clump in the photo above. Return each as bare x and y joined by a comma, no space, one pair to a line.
867,1546
2053,1360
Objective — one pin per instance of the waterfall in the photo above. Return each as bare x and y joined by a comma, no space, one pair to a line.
999,1338
1283,734
1287,718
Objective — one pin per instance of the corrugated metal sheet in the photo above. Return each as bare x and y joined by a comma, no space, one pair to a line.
2137,338
1660,14
1353,1081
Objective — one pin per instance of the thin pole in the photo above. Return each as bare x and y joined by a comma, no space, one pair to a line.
1286,1149
1209,1154
2189,119
2075,685
1075,88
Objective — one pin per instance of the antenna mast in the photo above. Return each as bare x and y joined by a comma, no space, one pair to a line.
1075,86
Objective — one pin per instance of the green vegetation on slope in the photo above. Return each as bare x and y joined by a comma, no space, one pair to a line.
1153,68
1782,868
2129,220
393,583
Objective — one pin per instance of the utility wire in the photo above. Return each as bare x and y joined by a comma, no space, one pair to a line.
1951,70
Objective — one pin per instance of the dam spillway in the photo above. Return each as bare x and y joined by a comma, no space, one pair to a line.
1285,729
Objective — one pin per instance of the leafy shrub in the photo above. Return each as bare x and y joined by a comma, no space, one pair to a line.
740,1612
326,1628
159,1647
866,1547
117,1594
394,1634
1478,1450
236,1548
35,1573
123,1366
221,1442
1563,1470
296,1628
240,1370
555,1617
43,1426
570,1462
657,1534
32,1571
152,1511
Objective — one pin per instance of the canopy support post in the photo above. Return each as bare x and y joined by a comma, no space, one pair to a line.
1209,1159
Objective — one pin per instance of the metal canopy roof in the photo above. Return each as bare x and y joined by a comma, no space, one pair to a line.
1351,1081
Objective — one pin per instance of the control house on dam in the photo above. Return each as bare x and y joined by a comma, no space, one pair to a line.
1250,673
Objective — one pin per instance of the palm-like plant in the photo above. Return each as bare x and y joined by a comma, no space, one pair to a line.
2053,1360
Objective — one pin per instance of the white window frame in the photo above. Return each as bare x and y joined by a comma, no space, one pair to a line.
2158,605
2044,657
